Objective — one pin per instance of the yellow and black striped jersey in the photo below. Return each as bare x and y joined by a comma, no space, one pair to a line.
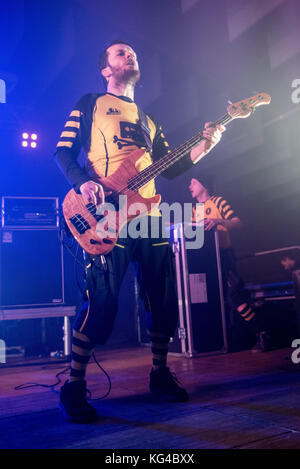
217,207
108,128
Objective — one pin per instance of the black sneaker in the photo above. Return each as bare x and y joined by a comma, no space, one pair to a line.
74,404
262,342
164,384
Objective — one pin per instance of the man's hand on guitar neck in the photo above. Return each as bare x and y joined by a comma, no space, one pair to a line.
212,135
93,192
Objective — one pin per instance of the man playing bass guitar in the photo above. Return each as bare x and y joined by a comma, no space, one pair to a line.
110,127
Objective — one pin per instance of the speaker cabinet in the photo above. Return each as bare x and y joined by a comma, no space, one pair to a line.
31,268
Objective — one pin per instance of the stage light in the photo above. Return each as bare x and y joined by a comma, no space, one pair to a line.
29,140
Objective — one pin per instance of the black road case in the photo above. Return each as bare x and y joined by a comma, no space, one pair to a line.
202,319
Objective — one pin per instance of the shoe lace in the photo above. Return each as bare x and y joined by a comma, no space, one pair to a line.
82,399
173,378
83,395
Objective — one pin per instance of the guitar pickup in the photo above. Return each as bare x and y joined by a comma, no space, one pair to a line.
80,223
93,211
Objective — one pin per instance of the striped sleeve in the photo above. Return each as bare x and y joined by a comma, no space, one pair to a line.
224,208
71,131
72,137
75,135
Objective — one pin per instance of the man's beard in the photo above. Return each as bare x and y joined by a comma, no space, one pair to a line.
127,75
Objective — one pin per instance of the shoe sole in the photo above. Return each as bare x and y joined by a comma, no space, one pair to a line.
74,419
159,395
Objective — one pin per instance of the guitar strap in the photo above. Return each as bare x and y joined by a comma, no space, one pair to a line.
145,129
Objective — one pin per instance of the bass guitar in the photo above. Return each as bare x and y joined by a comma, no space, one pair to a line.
97,228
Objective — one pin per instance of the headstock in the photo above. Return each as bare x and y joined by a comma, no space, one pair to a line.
244,108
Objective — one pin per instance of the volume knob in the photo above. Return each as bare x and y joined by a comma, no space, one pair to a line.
94,241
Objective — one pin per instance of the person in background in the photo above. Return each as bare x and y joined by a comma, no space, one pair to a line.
219,215
291,263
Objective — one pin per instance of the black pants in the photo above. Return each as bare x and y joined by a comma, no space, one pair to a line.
296,282
104,275
234,289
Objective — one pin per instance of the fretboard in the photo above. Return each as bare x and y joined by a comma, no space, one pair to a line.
158,167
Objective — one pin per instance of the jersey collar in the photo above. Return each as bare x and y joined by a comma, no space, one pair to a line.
124,98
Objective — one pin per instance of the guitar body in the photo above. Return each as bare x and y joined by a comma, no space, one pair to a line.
97,229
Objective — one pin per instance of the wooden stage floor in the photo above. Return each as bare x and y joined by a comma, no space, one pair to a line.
238,400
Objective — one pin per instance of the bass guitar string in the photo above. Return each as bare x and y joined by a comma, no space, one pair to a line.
151,171
159,166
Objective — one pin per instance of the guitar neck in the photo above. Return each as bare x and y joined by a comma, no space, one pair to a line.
158,167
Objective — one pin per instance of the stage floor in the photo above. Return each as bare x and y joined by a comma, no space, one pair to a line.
237,400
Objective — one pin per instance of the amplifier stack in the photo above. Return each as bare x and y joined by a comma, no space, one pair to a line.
31,255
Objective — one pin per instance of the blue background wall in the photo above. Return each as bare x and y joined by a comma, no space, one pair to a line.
195,56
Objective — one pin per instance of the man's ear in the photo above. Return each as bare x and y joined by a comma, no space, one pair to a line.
106,72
